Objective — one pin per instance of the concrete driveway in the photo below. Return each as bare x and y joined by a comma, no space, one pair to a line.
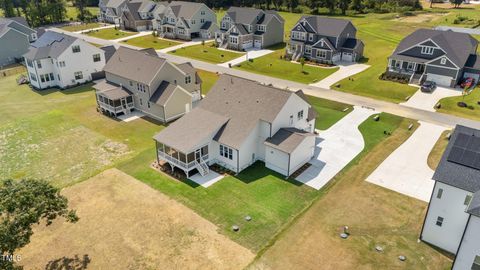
335,148
427,101
250,54
345,70
406,170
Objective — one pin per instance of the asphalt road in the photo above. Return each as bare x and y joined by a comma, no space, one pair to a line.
378,105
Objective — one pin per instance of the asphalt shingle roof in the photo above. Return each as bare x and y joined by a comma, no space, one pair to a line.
163,92
454,174
287,139
50,44
325,26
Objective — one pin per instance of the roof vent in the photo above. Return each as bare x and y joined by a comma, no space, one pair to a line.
258,101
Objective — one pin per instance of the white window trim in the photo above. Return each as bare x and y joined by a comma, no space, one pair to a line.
427,50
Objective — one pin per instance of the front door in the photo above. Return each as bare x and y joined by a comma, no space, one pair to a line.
198,155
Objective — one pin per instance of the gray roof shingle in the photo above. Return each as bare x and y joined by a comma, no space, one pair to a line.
287,139
50,44
454,174
325,26
163,92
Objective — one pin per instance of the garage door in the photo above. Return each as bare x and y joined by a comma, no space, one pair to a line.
336,57
439,79
347,57
247,44
258,44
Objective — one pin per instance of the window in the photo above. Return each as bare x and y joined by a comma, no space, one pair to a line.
308,50
148,104
96,57
439,221
58,77
78,75
427,50
443,61
76,49
321,54
34,36
202,12
410,66
52,78
310,37
61,63
224,25
192,21
131,83
141,102
202,20
261,28
233,40
298,35
468,198
226,152
47,78
291,119
33,77
29,63
439,193
42,78
188,79
39,64
300,115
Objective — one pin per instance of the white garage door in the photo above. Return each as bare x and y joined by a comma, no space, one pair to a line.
439,79
336,57
247,44
347,57
258,44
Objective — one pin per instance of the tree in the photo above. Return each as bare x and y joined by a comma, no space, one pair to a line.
302,62
8,8
343,5
22,204
83,13
356,5
456,3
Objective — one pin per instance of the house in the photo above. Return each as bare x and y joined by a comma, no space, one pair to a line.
187,20
110,11
138,15
59,60
452,221
239,122
444,57
141,80
158,14
244,28
325,40
15,38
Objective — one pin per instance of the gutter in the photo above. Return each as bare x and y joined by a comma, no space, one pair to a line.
238,161
288,168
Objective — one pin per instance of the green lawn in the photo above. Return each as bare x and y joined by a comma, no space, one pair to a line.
72,12
329,112
449,105
151,42
110,33
207,53
272,65
80,27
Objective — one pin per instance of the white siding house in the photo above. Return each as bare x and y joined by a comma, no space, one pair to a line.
452,222
58,60
238,123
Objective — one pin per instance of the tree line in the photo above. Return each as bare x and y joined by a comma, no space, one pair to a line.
43,12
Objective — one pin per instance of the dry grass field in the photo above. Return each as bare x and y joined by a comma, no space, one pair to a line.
125,224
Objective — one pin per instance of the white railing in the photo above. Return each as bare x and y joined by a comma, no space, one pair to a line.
179,163
117,108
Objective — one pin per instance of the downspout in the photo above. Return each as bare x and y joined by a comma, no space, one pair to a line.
156,150
288,168
270,129
461,240
428,209
238,161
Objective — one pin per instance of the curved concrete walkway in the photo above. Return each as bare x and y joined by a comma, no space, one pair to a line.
335,148
345,70
406,170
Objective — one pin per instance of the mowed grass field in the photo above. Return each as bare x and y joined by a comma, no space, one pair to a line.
110,33
125,224
80,27
374,215
207,53
150,41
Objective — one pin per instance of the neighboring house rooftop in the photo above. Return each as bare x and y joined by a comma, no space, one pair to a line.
325,26
287,139
457,46
459,168
115,3
109,51
49,45
244,15
19,20
136,65
234,104
184,9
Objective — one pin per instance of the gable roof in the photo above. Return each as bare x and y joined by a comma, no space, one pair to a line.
19,20
184,9
50,44
457,46
111,90
325,26
163,93
132,13
109,51
244,15
455,174
136,65
287,139
115,3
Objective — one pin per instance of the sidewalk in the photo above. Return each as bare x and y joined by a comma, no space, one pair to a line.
141,34
94,29
251,54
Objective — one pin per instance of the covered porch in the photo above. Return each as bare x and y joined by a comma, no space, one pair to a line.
405,67
113,100
196,159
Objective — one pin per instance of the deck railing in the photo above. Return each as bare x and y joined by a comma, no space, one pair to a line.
179,163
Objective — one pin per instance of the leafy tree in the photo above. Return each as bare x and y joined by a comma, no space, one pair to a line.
356,5
8,8
343,5
83,13
456,3
22,204
302,62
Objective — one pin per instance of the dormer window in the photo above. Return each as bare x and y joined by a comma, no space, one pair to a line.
322,43
310,37
427,50
261,28
443,61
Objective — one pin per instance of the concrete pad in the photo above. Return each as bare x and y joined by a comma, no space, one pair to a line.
132,116
406,170
250,54
207,180
345,70
335,148
427,101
